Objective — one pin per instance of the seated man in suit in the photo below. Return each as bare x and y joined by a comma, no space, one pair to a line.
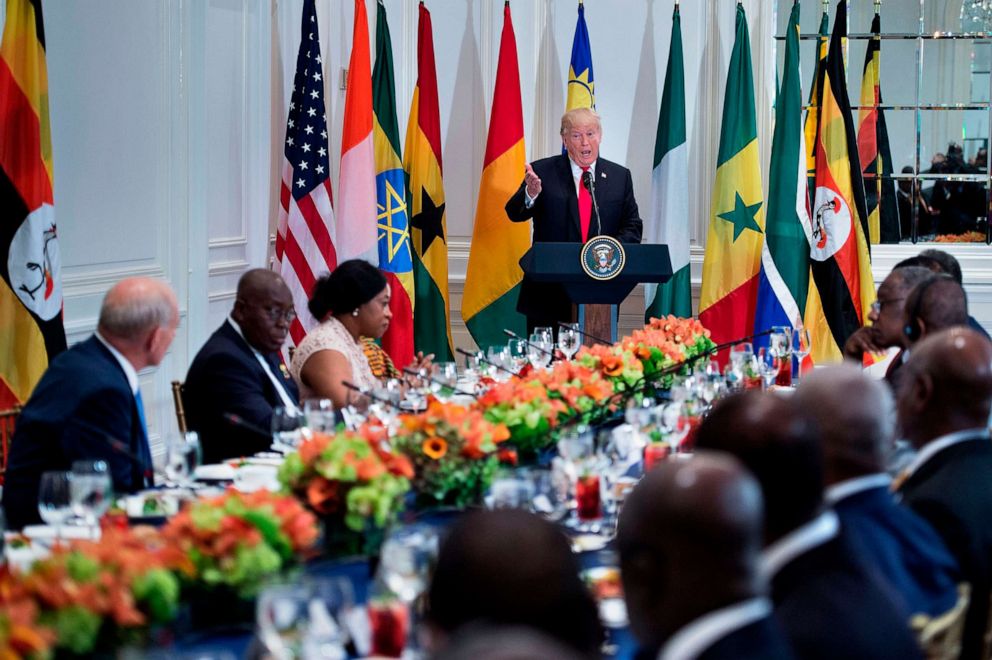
943,400
239,371
87,404
829,602
690,541
946,263
553,194
853,413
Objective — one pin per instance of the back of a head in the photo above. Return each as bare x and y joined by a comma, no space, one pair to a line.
948,263
853,413
935,304
510,567
504,643
134,307
781,447
920,261
349,286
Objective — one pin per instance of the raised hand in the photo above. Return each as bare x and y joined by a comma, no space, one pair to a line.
531,181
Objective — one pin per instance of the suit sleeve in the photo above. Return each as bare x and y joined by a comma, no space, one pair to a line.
236,389
516,208
103,419
631,225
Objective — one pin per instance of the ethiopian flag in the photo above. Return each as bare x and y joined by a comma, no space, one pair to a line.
840,258
31,330
425,204
392,221
669,221
492,282
737,223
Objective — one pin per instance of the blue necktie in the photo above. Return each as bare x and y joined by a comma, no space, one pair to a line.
144,451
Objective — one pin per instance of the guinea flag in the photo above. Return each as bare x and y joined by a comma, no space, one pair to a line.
31,330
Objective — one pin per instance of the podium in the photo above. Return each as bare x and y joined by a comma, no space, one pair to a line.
559,263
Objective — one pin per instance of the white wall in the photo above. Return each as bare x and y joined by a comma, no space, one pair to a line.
168,121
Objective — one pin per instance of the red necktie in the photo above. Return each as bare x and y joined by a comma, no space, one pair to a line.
585,207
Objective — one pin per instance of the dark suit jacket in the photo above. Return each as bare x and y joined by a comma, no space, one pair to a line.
953,492
832,607
81,406
225,377
902,548
762,639
556,219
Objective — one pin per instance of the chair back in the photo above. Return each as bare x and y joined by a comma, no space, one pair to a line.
8,419
177,400
940,636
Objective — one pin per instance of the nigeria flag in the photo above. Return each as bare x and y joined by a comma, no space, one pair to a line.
669,220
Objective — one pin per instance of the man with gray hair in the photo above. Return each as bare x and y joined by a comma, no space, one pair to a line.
855,415
87,405
555,193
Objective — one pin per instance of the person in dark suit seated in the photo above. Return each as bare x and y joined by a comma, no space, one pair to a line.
690,541
939,261
854,416
239,371
87,405
553,194
509,567
828,600
943,400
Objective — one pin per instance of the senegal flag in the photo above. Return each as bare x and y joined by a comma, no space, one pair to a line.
492,282
425,204
31,331
733,243
395,258
840,260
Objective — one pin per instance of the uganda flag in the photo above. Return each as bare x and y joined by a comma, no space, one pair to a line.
492,282
873,149
395,259
733,243
31,331
839,256
425,203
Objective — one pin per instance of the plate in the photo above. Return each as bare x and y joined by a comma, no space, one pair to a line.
47,532
588,542
216,472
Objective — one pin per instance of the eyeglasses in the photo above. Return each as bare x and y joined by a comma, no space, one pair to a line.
879,304
277,314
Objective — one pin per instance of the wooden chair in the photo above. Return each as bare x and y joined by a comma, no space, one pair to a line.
177,400
940,636
8,419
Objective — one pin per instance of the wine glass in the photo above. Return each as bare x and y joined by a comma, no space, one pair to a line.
545,345
569,340
319,414
767,365
182,456
287,424
801,346
517,349
445,377
281,616
674,423
55,499
780,345
91,490
408,556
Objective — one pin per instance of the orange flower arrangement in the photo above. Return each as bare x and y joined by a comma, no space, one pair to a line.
21,634
527,409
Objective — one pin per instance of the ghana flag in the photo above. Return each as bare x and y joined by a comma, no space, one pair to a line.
492,282
733,243
839,253
31,330
425,204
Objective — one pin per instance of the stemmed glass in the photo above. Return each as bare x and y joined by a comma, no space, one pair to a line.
287,425
569,340
301,620
674,423
182,456
767,365
319,414
445,378
55,499
541,349
801,346
780,345
517,348
405,565
91,491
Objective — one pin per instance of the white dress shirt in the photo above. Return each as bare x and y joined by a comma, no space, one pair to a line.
129,370
844,489
693,639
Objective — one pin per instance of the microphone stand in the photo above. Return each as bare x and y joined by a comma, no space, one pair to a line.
456,390
585,334
479,357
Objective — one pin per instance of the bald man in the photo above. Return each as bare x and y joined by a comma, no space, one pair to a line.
943,401
690,545
239,371
88,405
827,598
934,304
855,415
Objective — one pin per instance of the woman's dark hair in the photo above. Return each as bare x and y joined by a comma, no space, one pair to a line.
351,285
507,568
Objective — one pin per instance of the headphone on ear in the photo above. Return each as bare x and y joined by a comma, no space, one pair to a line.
913,329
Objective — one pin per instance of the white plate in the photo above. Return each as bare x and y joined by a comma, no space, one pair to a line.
273,461
47,532
215,472
250,478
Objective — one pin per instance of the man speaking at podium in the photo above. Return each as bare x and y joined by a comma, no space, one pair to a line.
554,195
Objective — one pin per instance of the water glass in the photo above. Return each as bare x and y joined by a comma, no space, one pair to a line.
319,414
801,347
569,339
511,489
55,499
780,345
767,365
407,559
91,490
287,426
182,456
445,378
281,616
517,348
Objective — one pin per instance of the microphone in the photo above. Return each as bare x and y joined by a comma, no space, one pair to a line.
479,357
241,423
585,334
589,183
366,392
436,381
511,333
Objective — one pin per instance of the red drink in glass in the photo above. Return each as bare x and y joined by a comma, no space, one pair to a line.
588,503
689,441
784,377
655,453
389,621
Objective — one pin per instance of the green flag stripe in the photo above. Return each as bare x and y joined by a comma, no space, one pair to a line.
488,323
739,124
383,90
429,326
671,119
673,297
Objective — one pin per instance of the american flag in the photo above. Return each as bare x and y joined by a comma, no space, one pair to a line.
305,236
